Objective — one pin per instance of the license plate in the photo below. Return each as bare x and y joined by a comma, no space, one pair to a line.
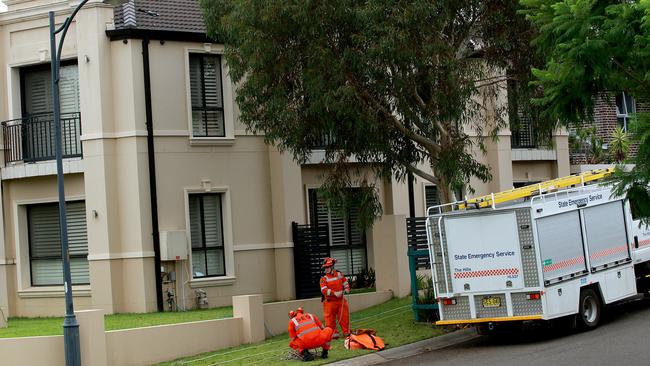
491,302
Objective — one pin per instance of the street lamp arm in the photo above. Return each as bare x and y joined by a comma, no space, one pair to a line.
64,29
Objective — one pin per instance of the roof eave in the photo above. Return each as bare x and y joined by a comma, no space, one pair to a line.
156,34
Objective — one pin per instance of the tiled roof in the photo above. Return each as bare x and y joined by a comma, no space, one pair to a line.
163,15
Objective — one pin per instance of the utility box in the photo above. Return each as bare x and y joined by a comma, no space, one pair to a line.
173,245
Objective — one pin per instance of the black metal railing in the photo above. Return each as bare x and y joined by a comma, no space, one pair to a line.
523,137
30,139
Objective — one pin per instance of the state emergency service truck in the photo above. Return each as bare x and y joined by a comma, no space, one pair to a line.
538,252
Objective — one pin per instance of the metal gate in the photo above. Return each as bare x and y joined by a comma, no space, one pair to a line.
310,248
418,252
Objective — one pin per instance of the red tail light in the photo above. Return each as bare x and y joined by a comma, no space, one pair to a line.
449,301
534,296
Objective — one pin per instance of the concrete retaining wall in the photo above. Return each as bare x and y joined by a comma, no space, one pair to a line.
252,322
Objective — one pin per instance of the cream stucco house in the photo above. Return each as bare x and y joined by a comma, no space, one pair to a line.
216,200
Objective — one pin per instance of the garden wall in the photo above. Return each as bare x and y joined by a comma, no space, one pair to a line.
252,321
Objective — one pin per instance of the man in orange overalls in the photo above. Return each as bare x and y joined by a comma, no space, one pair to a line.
335,307
306,333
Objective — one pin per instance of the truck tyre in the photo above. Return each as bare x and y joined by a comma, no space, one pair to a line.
589,310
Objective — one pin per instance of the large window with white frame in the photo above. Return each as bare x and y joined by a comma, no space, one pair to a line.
206,235
625,109
206,95
45,243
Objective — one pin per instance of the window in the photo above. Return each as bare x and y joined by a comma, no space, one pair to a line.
33,139
206,228
206,95
347,242
625,108
37,89
45,244
431,197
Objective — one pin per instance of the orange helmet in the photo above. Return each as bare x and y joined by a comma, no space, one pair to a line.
292,314
299,311
329,262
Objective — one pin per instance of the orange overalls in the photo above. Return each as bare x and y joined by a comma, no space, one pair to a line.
335,308
306,333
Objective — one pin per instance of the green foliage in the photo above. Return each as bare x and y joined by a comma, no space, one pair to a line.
635,184
586,140
426,295
591,47
619,145
365,201
364,279
392,85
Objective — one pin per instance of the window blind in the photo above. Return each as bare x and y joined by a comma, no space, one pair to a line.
45,243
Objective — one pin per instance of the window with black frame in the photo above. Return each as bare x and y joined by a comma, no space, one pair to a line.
347,242
206,231
45,244
36,130
206,91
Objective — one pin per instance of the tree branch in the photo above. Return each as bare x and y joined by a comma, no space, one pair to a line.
422,140
630,74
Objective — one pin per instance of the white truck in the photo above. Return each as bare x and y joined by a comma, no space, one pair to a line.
542,257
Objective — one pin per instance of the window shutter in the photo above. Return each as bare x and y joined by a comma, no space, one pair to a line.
45,244
212,220
38,92
206,95
431,196
195,221
69,89
346,240
206,235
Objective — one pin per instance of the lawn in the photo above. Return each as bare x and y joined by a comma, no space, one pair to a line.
393,321
28,327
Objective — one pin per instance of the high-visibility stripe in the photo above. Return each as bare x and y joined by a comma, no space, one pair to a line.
332,279
323,288
307,331
305,323
295,322
486,320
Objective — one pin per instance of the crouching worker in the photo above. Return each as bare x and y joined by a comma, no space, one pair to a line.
306,333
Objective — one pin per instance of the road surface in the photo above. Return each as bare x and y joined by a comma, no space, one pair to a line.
623,338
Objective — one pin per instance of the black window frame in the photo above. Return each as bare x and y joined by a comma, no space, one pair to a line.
204,248
204,108
36,68
348,247
60,257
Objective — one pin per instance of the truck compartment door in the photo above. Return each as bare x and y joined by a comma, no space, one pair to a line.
606,237
561,246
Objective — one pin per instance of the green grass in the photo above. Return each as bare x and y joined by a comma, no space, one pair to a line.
29,327
392,320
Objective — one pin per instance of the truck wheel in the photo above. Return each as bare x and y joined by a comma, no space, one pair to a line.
589,309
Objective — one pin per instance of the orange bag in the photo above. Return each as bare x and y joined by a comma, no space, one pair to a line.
364,339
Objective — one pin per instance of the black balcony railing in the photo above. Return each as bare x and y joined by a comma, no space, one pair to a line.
31,139
523,137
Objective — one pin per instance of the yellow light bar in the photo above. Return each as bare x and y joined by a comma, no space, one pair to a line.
487,320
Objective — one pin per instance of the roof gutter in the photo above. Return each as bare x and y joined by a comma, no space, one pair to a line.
154,34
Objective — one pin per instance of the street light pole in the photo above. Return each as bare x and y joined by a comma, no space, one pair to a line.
70,325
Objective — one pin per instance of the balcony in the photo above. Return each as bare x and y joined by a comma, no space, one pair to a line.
31,139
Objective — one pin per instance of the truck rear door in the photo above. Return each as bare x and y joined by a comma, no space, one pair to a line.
484,252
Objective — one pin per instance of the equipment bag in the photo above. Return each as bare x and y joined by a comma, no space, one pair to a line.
364,339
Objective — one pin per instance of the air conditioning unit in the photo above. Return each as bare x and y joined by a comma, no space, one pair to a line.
173,245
